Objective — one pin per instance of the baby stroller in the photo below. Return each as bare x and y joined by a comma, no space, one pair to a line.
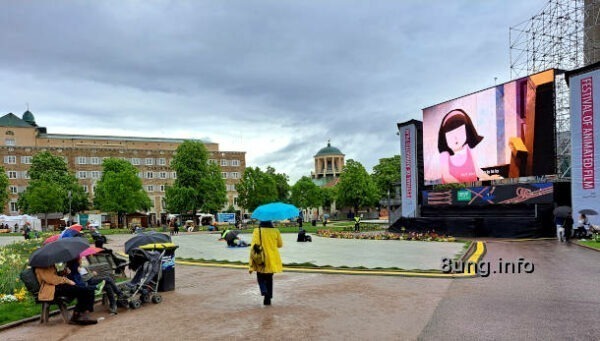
148,271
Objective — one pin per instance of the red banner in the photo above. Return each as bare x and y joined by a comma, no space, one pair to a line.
587,134
408,162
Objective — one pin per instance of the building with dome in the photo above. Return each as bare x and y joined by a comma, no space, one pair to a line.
23,139
329,162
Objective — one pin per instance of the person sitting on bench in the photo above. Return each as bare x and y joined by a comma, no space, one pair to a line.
95,282
52,285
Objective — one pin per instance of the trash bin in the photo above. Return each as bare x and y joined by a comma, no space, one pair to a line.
314,222
167,280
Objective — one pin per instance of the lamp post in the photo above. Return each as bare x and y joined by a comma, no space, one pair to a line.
389,209
70,195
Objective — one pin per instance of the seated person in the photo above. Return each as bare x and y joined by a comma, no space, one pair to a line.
583,227
95,282
51,285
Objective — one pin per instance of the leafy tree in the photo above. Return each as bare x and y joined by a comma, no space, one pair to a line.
48,171
214,186
3,187
256,188
120,189
42,196
329,194
356,188
281,183
199,184
305,194
386,173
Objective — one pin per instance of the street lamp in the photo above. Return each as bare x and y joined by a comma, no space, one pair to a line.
69,207
389,209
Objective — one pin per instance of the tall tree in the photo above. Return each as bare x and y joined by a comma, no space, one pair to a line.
42,196
120,189
356,188
256,188
386,173
281,183
199,184
329,195
305,194
48,171
3,187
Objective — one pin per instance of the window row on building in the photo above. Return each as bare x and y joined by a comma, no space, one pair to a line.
225,162
230,175
12,159
96,160
17,174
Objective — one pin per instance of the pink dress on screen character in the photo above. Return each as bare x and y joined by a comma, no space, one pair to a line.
460,167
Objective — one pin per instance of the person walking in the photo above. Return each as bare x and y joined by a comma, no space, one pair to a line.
172,226
560,230
269,238
356,223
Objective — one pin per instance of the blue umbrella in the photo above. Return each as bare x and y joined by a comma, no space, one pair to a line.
275,211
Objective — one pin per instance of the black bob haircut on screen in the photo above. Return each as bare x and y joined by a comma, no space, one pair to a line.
454,119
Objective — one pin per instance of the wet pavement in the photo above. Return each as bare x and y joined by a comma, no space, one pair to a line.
560,299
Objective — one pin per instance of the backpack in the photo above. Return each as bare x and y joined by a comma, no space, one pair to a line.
29,278
257,253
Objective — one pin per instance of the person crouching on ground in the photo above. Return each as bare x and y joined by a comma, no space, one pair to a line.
233,239
270,239
51,285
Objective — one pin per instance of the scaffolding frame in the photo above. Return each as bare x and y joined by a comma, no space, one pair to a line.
564,36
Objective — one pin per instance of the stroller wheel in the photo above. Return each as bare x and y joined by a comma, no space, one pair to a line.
146,298
156,299
135,304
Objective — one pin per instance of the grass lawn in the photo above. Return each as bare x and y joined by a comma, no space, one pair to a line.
591,243
14,311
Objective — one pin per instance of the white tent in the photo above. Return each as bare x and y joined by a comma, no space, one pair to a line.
20,221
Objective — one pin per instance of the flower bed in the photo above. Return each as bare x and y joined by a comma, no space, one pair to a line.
13,259
430,236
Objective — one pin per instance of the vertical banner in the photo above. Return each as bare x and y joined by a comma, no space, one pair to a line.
585,131
408,169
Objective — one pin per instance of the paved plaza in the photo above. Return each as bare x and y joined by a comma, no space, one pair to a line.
559,300
408,255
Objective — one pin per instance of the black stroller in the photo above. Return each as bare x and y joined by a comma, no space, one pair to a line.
148,271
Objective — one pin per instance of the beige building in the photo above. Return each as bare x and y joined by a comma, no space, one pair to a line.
23,138
329,163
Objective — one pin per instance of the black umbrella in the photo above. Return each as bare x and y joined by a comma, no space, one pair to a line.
588,211
62,250
562,211
146,238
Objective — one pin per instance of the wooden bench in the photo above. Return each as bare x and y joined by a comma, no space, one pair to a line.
104,266
30,280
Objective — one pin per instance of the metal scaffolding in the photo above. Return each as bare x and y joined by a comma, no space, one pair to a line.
564,35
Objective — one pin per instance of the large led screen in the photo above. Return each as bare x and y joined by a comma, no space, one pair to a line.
502,132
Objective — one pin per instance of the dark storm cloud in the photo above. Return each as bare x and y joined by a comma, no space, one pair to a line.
345,70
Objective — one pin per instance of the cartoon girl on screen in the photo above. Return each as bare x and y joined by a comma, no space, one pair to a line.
457,137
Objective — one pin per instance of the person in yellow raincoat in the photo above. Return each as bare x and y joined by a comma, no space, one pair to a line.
270,239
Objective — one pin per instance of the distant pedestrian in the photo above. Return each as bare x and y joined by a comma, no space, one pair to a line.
176,227
270,239
357,223
172,226
568,226
560,230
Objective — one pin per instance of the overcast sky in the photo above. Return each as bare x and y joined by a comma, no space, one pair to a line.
275,79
